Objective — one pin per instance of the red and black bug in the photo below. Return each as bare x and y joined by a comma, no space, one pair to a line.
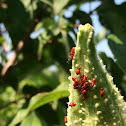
85,78
93,81
84,92
72,51
84,97
80,82
79,87
75,87
65,119
81,76
71,54
72,57
85,85
75,82
72,104
78,71
73,78
102,92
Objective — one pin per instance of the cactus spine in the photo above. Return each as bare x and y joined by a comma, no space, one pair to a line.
104,106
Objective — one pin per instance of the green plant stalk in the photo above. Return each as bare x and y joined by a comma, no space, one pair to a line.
109,110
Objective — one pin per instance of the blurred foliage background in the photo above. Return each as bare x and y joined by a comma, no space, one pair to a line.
34,70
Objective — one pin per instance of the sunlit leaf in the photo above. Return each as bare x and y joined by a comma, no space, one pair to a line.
100,36
58,5
47,2
118,46
116,72
113,17
32,120
42,99
39,100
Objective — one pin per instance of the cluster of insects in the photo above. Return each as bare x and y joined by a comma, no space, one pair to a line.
82,84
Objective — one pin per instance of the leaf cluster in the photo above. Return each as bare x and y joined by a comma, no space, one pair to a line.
34,88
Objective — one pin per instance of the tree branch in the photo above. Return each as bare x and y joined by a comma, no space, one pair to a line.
20,45
87,16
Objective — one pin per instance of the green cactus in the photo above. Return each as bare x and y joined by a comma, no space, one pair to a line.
95,110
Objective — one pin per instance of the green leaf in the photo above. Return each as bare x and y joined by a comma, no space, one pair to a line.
42,41
48,23
17,73
117,73
100,36
47,2
75,2
38,26
65,41
22,113
1,40
19,19
32,120
80,15
39,100
113,17
40,77
59,54
118,46
16,20
58,5
7,110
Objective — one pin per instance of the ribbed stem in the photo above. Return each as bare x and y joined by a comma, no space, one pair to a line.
95,110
